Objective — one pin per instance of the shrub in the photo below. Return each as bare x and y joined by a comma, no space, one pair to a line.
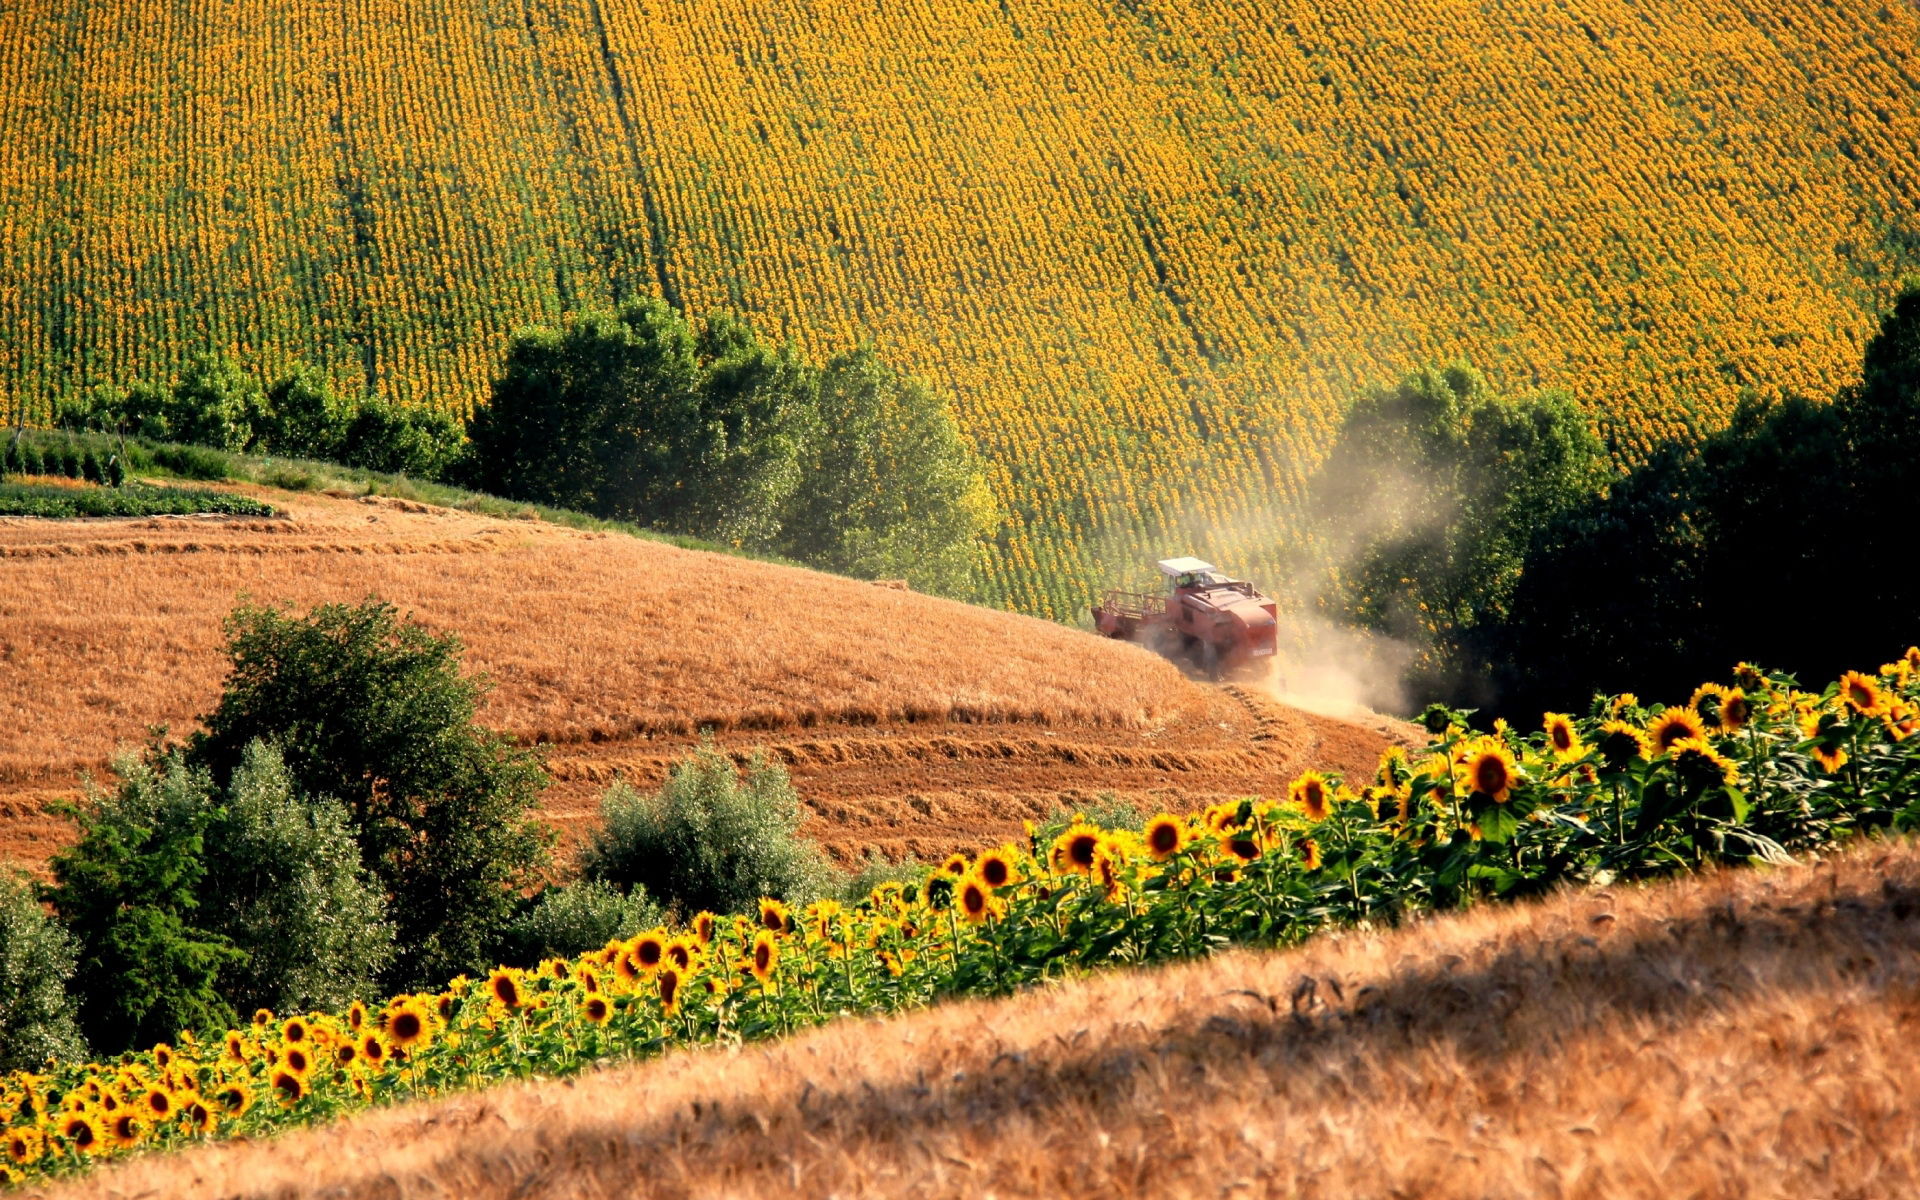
711,838
567,921
285,885
36,960
374,711
127,890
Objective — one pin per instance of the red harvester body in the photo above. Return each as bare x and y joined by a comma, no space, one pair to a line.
1216,623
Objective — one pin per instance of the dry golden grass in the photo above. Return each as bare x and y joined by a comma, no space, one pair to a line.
1745,1034
617,650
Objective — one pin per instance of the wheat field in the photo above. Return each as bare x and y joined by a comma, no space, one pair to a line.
1742,1034
1149,249
912,724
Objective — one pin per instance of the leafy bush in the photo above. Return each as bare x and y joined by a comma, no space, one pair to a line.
374,711
22,500
128,892
36,960
711,838
583,915
285,885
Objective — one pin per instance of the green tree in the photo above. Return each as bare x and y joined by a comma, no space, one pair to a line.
565,922
127,891
305,418
375,712
1429,502
379,436
632,415
710,838
36,961
217,404
284,883
889,488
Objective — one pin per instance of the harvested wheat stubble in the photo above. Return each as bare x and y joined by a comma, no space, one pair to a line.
616,650
1742,1034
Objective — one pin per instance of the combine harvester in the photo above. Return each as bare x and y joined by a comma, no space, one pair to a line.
1219,625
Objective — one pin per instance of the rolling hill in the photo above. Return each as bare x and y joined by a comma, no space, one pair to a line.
1149,247
1740,1034
912,724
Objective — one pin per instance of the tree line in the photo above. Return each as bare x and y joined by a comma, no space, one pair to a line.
1497,536
698,428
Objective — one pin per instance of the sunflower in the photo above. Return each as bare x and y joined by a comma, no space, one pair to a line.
162,1055
1912,657
446,1004
668,981
1675,725
956,865
158,1103
597,1010
25,1144
626,968
1862,694
262,1017
407,1025
236,1050
295,1031
1621,744
1735,711
680,952
1903,720
356,1016
1490,768
1310,853
1166,836
288,1087
126,1128
976,899
196,1117
297,1060
766,956
1241,847
1562,739
995,868
233,1099
1073,850
1699,763
773,916
504,986
82,1131
703,927
649,949
373,1051
1219,818
587,978
1311,795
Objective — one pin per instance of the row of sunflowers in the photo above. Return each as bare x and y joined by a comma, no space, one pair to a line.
1754,771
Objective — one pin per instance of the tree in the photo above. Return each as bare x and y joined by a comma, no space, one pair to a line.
379,436
708,839
36,961
217,404
127,891
889,488
631,415
375,712
1429,502
305,418
284,884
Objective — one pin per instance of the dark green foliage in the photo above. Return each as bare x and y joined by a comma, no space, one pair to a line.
127,891
36,960
631,415
397,441
1704,558
216,404
374,711
567,921
889,489
1432,497
305,418
21,500
284,883
192,462
634,415
711,838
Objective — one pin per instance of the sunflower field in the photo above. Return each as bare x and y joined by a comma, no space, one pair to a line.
1755,771
1150,249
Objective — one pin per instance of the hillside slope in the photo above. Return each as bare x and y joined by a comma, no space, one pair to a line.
1743,1034
911,723
1149,247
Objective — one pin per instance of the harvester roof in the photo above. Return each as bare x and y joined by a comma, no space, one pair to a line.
1183,566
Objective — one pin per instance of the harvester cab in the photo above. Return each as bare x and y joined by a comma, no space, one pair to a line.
1218,624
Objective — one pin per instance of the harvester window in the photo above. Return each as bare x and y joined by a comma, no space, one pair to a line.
1185,580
